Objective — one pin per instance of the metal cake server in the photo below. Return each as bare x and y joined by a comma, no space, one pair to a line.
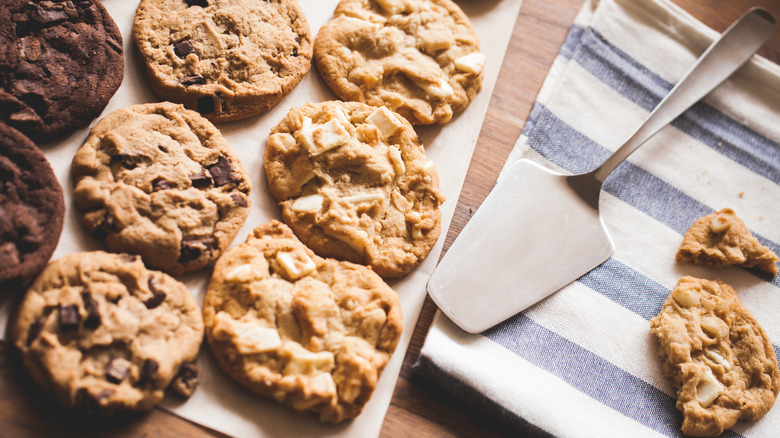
539,230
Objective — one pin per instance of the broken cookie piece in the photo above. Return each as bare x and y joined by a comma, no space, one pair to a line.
722,239
717,356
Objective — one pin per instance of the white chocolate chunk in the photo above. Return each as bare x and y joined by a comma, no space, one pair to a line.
364,197
718,359
392,6
474,62
310,203
286,140
441,89
686,297
722,221
295,264
708,389
356,244
241,273
307,133
342,117
303,361
248,337
398,162
328,136
385,121
710,325
323,384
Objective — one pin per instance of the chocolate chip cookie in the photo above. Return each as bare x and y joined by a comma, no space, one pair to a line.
31,209
722,239
161,181
354,183
420,58
227,59
102,333
717,356
60,63
309,332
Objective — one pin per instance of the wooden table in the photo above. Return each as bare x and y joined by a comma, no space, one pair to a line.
418,409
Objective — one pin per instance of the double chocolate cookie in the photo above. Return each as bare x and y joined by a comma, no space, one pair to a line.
227,59
31,209
161,181
60,63
102,333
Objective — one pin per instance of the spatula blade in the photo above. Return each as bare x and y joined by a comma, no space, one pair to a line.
532,236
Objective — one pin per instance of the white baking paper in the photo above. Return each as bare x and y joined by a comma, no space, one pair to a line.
219,403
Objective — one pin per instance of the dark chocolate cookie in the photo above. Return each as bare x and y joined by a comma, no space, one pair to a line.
31,209
60,63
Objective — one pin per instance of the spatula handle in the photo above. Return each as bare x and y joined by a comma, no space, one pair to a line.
722,58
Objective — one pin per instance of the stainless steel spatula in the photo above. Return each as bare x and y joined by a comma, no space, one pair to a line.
538,230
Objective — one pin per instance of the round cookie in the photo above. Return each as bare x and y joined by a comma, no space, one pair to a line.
227,59
312,333
161,181
420,58
354,183
31,209
101,333
718,357
60,63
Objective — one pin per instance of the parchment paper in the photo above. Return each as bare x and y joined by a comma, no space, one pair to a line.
219,403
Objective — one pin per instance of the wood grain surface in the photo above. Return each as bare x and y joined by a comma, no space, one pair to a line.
419,408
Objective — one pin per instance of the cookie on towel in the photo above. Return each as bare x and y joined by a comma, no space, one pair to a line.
354,183
161,181
312,333
420,58
60,63
32,209
722,239
227,59
103,333
717,356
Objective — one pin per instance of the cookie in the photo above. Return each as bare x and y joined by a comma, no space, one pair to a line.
227,59
309,332
722,239
32,209
420,58
60,63
354,183
103,333
161,181
717,356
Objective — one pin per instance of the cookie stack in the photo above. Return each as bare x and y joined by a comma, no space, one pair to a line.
300,312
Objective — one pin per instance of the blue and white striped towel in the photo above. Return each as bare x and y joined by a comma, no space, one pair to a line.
583,362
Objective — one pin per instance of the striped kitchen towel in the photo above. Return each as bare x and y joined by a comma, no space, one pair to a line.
583,363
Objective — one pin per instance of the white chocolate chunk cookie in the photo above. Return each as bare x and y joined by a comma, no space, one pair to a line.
354,184
102,333
227,59
420,58
312,333
722,239
717,356
160,181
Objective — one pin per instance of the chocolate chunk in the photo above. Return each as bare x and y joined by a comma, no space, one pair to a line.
206,104
129,258
48,16
201,3
162,184
114,44
92,402
222,172
148,371
295,52
29,48
192,249
117,369
194,80
184,48
69,317
91,305
9,255
201,179
186,380
128,161
35,330
158,296
238,199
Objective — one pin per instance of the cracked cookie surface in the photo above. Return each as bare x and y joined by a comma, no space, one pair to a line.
312,333
60,63
103,333
227,59
716,355
161,181
418,58
32,209
354,183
